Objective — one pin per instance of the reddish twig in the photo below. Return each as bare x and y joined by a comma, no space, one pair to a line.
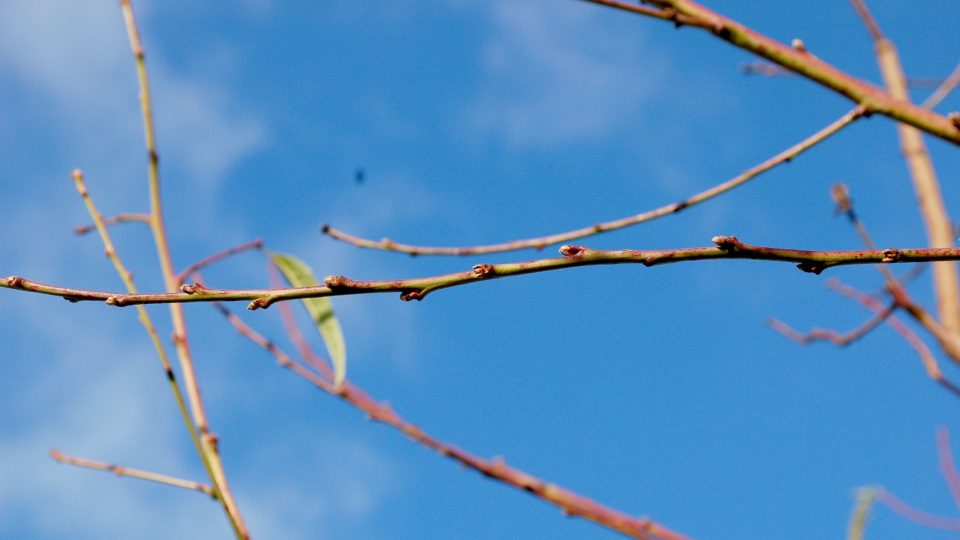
219,256
826,334
290,325
948,85
571,503
673,208
926,356
119,218
916,515
947,467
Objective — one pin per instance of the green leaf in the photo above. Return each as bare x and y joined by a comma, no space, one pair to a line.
320,309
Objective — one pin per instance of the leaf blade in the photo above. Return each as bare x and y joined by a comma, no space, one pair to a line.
298,274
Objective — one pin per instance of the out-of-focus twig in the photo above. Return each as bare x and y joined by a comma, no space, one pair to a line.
216,257
926,356
119,218
826,334
948,85
859,518
916,515
134,473
927,186
947,467
571,503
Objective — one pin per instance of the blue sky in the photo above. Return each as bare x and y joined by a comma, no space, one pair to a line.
658,391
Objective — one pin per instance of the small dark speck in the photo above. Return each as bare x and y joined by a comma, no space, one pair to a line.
359,176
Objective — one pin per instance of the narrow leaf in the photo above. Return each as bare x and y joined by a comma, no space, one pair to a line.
320,309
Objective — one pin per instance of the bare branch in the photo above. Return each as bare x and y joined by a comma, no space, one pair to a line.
916,515
571,503
119,218
926,356
673,208
135,473
689,13
947,468
216,257
948,85
728,247
925,182
209,454
825,334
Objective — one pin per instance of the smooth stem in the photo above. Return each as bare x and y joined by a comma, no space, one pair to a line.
207,439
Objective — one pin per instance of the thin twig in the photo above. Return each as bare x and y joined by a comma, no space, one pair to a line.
927,186
861,512
926,356
319,364
727,247
799,60
571,503
916,515
947,468
119,218
134,473
826,334
673,208
100,225
210,453
216,257
948,85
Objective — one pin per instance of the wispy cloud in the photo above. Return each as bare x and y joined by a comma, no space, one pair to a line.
558,74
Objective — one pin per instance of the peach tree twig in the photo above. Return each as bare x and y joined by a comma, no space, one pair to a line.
947,467
100,225
914,514
926,356
927,186
570,503
727,247
543,241
134,473
948,85
826,334
799,60
119,218
217,257
209,442
319,364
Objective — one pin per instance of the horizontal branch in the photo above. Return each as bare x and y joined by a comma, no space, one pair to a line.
798,60
541,242
727,247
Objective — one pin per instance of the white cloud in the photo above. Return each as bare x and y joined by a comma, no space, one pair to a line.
76,56
560,75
